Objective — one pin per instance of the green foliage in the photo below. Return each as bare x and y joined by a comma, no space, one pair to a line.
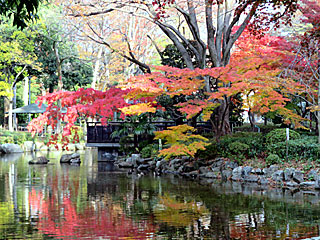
15,137
22,11
76,72
305,148
210,152
238,148
273,159
150,150
126,145
255,141
279,135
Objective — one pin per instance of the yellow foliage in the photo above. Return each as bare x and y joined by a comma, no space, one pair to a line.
138,109
181,141
178,214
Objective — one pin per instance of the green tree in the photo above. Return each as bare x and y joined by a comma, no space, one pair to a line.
17,58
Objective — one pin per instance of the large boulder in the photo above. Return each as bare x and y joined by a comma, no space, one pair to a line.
39,160
70,158
11,148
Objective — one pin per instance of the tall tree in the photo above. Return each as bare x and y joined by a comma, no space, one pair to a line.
224,21
17,56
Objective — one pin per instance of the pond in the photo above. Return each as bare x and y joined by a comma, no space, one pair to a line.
60,201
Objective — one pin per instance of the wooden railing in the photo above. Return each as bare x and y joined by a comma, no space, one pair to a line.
97,133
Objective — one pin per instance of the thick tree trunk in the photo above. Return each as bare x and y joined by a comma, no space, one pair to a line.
220,119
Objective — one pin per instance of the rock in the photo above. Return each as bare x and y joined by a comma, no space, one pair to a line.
317,184
189,167
39,160
204,170
298,176
135,158
192,174
216,169
287,174
226,174
210,175
310,184
313,175
75,160
263,181
11,148
143,167
218,162
278,176
160,163
126,165
230,165
246,170
292,184
29,146
108,156
237,174
1,150
176,161
79,146
144,160
251,178
180,169
257,171
66,158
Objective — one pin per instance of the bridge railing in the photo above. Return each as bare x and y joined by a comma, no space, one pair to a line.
98,133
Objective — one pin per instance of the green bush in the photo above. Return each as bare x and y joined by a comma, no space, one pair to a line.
15,137
279,135
254,140
273,159
305,148
150,150
238,148
211,151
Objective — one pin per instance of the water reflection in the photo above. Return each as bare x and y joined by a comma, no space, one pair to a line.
97,201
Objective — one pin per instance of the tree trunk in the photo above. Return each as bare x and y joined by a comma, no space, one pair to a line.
318,124
60,82
14,106
26,91
96,69
10,116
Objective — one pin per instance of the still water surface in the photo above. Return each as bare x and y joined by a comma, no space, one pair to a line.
89,202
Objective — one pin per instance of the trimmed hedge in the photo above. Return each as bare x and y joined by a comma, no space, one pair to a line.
280,135
305,148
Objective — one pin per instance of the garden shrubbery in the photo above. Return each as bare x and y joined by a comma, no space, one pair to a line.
14,137
279,135
271,147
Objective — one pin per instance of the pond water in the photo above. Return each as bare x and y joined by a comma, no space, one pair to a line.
89,202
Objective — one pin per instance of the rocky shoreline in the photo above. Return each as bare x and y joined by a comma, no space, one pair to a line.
30,146
224,170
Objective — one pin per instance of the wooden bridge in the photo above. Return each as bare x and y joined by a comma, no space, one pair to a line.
101,136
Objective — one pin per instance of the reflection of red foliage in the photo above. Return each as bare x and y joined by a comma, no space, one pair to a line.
64,218
89,223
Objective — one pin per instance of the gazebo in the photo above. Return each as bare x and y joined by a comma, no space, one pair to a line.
31,108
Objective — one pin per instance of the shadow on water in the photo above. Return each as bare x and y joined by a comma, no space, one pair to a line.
97,201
